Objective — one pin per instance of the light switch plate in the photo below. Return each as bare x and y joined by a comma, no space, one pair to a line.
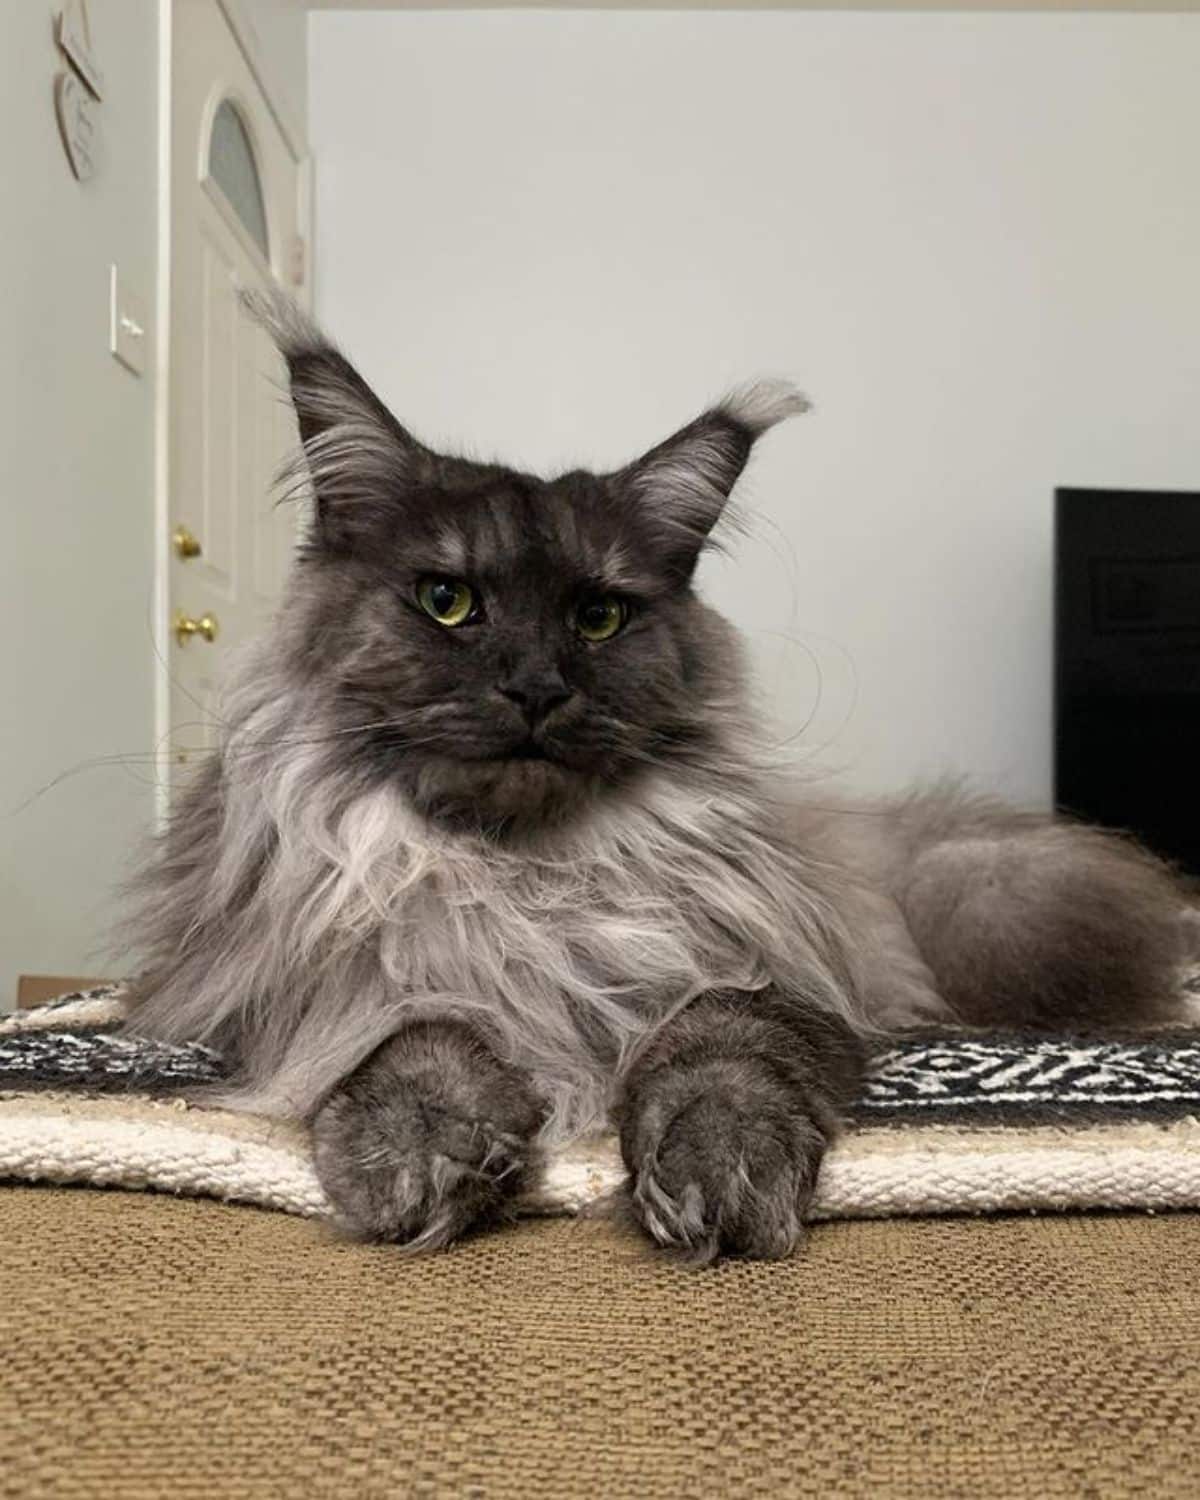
128,325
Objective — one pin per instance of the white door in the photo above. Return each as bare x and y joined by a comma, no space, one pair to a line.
236,187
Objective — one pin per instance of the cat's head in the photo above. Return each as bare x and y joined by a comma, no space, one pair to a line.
501,644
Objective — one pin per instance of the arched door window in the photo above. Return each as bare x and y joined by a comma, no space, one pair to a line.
231,166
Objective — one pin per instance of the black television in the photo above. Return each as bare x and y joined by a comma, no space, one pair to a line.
1127,664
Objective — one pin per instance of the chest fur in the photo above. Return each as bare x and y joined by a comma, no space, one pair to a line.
582,944
600,931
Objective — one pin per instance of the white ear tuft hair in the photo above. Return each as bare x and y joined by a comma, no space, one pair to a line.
760,404
291,329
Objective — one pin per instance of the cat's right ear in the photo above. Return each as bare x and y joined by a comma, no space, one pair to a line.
357,461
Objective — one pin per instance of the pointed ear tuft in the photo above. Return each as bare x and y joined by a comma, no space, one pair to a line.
325,387
291,329
682,486
762,403
356,459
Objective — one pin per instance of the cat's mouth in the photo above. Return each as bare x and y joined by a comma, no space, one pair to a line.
527,750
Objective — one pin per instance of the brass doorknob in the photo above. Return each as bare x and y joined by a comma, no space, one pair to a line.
185,543
185,627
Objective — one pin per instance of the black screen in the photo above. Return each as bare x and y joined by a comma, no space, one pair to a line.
1127,664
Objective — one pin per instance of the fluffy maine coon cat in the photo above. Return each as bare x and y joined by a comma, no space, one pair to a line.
486,856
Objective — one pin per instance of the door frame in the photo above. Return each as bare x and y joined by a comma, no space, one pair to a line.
287,119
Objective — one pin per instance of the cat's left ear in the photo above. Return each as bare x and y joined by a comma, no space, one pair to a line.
682,486
357,459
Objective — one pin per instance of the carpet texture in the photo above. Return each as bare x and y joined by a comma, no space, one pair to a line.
160,1347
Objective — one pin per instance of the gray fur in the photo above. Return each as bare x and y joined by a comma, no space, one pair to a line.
435,1136
607,909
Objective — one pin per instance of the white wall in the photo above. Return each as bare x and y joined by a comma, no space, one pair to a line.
974,238
76,500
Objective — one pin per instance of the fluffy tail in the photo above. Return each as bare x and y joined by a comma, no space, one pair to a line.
1026,920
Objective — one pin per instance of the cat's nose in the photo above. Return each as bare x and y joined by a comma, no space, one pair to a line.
536,692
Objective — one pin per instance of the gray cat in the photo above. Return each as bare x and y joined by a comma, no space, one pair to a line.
488,855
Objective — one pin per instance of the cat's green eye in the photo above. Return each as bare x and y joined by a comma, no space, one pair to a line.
448,600
600,617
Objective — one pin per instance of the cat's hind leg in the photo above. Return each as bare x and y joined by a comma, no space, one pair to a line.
1035,922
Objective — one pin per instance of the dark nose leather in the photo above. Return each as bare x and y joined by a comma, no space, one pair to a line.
536,692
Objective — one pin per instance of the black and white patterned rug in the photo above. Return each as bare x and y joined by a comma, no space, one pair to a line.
997,1077
945,1122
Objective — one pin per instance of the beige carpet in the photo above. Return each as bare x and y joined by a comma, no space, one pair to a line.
152,1346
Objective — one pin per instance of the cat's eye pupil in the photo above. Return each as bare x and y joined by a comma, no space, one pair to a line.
598,619
443,596
448,600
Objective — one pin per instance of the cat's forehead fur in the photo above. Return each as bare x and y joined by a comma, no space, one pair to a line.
495,525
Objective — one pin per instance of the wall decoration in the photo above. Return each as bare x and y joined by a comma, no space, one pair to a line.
75,39
75,108
78,89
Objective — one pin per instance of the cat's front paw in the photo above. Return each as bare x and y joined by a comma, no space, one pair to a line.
727,1171
431,1134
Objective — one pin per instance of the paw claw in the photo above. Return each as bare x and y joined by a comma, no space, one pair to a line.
401,1151
712,1183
